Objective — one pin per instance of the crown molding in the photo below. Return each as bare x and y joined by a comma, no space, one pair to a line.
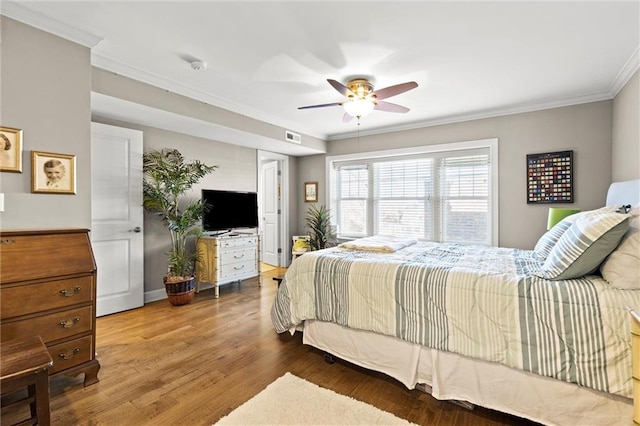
21,13
627,71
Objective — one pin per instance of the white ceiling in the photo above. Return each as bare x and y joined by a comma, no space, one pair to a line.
470,59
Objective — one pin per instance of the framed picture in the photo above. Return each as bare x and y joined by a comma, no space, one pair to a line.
550,177
310,192
53,173
11,153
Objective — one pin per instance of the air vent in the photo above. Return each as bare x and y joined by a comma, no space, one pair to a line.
292,137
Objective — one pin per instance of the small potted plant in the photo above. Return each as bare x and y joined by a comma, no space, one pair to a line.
318,222
167,178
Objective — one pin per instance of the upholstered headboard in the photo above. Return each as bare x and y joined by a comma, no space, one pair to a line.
627,192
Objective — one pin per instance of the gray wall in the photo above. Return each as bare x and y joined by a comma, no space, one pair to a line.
626,131
585,129
46,84
237,170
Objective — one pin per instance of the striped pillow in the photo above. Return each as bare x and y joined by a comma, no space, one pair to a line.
585,245
550,238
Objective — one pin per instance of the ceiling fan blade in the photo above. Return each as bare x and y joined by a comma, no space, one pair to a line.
344,90
387,92
321,105
389,107
346,118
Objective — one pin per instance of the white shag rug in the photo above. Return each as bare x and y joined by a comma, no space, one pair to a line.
291,400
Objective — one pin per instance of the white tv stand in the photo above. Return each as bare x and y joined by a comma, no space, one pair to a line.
227,258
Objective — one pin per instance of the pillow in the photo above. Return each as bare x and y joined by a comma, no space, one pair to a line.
622,268
583,247
550,238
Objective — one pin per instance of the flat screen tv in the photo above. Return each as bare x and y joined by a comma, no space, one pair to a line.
229,210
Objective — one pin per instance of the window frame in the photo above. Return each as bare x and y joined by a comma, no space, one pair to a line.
491,144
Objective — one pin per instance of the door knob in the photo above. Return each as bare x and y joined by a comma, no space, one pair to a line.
136,229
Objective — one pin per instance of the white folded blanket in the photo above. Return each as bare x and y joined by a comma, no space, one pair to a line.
378,243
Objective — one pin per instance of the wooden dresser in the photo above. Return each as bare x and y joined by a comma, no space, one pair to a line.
48,288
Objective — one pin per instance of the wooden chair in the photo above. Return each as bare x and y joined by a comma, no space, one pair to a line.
25,364
635,353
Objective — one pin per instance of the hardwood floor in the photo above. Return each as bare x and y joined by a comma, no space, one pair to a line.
193,364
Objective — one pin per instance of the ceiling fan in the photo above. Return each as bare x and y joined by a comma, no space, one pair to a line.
362,99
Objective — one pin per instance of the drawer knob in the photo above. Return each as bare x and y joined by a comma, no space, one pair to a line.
237,268
70,293
7,241
69,323
235,256
66,356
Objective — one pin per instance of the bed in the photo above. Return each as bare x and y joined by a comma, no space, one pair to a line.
543,334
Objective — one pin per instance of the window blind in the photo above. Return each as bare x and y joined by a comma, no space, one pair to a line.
402,198
465,199
353,193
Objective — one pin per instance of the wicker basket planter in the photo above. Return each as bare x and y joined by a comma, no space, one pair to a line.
179,292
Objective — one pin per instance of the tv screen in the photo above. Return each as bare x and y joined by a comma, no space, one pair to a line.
229,210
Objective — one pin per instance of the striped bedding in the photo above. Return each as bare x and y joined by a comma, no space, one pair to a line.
476,301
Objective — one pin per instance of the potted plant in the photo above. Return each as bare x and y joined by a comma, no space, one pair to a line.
318,221
167,178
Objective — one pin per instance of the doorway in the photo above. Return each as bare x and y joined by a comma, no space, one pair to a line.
273,208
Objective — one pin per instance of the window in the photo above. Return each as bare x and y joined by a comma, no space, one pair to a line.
402,199
440,193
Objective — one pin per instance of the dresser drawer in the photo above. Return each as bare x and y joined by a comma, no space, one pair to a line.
235,256
31,298
238,241
238,269
69,354
50,327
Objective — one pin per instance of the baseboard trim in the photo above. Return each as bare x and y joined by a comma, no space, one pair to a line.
154,295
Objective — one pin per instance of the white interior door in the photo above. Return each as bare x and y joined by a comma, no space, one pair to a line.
117,217
270,209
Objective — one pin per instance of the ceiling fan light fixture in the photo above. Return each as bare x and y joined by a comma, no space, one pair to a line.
358,107
362,99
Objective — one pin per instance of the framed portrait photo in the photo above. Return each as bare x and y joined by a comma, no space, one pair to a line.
53,173
310,192
11,150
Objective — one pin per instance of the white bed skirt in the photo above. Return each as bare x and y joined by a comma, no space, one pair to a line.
456,377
